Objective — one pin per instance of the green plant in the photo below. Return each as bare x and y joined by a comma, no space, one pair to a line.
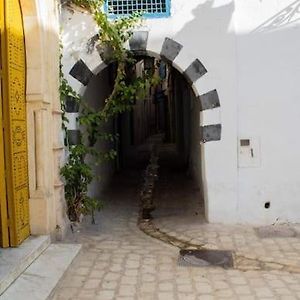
110,41
78,175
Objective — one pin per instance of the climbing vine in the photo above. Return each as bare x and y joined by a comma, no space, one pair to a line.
110,40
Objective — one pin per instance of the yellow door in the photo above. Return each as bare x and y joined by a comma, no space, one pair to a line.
4,239
13,82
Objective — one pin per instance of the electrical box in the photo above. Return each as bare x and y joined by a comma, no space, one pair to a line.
249,152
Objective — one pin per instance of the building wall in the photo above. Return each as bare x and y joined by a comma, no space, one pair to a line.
95,95
47,205
251,52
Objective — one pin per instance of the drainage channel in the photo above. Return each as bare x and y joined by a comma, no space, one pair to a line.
191,254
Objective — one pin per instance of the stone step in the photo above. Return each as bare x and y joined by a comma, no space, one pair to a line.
14,261
40,278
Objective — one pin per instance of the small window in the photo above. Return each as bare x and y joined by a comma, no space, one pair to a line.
150,8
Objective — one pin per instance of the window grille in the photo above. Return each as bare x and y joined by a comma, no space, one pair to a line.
150,8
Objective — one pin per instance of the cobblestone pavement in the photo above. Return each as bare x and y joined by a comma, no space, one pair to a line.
276,246
118,261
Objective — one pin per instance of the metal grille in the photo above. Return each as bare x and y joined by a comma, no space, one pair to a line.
149,8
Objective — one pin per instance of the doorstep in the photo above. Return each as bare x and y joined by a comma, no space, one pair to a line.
39,280
14,261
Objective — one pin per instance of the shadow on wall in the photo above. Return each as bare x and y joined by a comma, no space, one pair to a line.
208,18
257,56
268,95
287,16
255,66
210,38
96,93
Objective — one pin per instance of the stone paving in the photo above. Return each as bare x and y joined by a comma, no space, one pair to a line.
118,261
270,247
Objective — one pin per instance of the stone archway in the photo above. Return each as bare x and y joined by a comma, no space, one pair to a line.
169,52
80,65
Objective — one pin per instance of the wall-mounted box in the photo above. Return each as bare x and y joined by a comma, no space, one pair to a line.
249,152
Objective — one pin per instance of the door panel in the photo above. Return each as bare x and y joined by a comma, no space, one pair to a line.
14,120
4,238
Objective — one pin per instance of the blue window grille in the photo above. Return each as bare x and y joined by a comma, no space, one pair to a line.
149,8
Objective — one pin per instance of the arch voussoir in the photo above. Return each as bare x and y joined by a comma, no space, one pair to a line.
170,49
209,133
138,42
192,70
209,100
81,72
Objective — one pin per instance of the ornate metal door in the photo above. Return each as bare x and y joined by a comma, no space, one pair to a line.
13,84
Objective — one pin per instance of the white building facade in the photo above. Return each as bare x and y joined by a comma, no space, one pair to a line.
241,59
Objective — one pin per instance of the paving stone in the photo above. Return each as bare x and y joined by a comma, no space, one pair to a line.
91,284
105,295
130,272
110,285
131,265
148,278
263,292
148,287
129,280
186,296
112,276
242,290
127,290
82,271
185,288
166,286
204,288
87,294
166,296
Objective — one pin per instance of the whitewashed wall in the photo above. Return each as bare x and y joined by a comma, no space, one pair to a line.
251,51
44,118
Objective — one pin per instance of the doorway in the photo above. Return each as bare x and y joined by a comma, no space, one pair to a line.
166,114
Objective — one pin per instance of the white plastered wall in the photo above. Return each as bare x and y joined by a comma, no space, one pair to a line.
45,147
269,108
252,58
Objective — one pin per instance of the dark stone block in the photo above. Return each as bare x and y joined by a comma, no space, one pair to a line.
195,71
72,105
74,137
138,42
81,72
209,100
210,133
170,49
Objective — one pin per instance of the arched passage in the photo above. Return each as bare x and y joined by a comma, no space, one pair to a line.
166,117
170,51
80,65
